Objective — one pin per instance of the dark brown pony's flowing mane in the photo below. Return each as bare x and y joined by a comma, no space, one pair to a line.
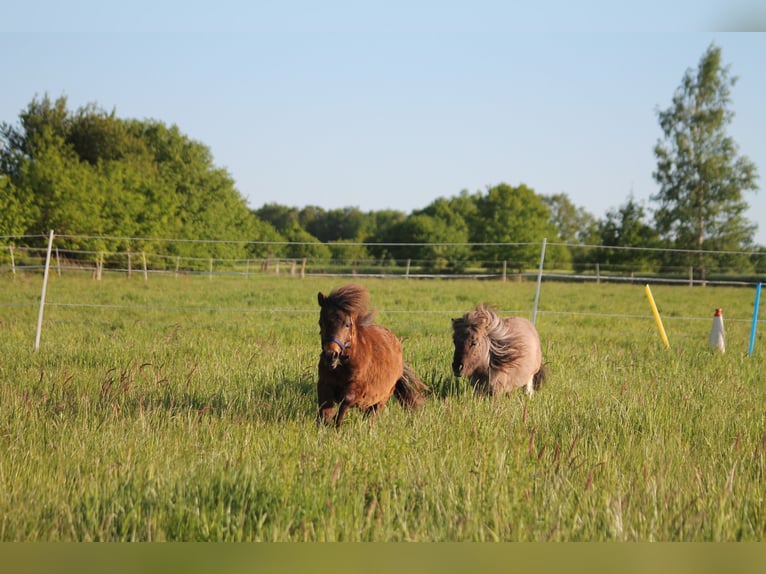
353,300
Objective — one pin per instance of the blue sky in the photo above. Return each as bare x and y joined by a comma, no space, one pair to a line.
390,104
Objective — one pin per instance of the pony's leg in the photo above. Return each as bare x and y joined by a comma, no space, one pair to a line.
530,388
325,414
326,404
341,413
370,412
481,386
373,411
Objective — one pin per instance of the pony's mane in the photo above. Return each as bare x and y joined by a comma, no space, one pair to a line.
487,322
354,300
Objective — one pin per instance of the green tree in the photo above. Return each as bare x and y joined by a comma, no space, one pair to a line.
304,244
381,224
512,222
12,212
348,252
265,239
89,175
58,191
622,231
280,216
463,204
427,240
40,124
348,223
573,224
701,176
206,203
444,222
98,136
758,260
33,157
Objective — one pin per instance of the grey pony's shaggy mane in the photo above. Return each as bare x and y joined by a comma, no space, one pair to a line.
502,346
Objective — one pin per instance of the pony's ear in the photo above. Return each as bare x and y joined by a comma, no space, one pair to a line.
321,298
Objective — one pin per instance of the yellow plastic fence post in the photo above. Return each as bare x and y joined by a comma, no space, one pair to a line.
657,316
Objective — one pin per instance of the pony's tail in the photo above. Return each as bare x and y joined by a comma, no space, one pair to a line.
410,391
540,377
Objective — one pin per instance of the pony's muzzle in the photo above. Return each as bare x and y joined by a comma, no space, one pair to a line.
332,353
457,368
331,358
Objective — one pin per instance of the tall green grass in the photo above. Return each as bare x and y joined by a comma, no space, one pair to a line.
184,409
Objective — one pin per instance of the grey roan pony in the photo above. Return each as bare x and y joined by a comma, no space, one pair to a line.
497,354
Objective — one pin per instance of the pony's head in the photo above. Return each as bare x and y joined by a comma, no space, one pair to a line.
341,313
476,340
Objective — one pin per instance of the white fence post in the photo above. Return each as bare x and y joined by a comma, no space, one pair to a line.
539,280
13,261
42,296
99,265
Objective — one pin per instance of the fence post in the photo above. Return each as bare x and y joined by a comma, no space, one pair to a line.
598,274
99,265
505,270
13,261
303,268
58,262
146,273
130,265
210,273
178,264
407,272
42,296
691,276
755,319
539,280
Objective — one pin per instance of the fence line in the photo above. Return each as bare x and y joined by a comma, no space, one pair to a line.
313,311
608,318
628,325
398,244
95,261
31,259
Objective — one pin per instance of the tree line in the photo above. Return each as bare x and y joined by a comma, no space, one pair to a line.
100,180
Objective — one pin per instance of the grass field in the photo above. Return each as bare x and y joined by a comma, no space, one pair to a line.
184,409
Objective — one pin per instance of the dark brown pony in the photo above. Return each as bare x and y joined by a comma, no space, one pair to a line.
497,354
361,363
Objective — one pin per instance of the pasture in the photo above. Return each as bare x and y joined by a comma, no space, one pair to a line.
184,409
